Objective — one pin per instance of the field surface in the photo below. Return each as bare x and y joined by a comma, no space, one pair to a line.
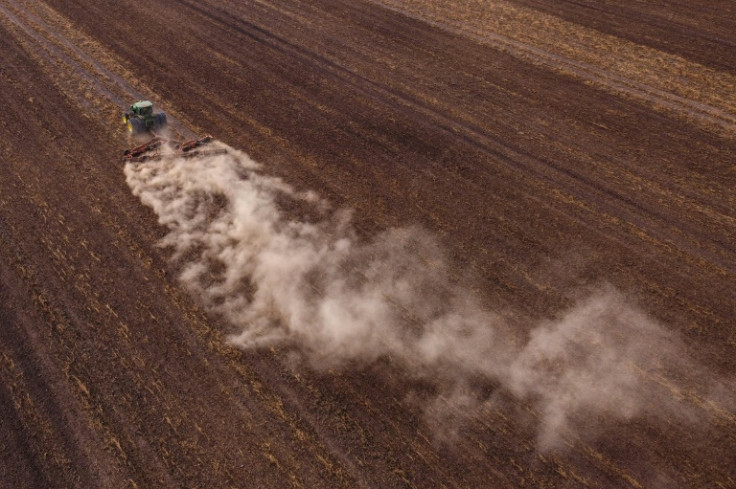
540,236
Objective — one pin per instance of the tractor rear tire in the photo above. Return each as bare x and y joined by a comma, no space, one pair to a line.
136,126
159,121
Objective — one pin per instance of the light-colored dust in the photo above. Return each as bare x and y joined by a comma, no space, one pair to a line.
314,286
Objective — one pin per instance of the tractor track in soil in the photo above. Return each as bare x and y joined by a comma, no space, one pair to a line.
541,168
702,112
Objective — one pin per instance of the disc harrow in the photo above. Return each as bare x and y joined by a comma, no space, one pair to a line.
159,148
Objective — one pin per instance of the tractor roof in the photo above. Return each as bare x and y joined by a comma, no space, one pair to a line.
142,104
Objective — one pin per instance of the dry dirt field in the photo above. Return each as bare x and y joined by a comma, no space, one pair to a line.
534,285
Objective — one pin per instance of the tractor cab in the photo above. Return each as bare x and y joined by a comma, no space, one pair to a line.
142,108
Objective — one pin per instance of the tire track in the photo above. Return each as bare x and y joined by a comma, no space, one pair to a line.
694,110
700,32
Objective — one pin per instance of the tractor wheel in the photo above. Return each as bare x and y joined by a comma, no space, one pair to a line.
159,121
136,126
126,116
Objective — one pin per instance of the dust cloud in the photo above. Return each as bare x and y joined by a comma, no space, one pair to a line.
312,285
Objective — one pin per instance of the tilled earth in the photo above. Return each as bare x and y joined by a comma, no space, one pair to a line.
551,147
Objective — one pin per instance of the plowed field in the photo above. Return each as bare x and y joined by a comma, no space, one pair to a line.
523,221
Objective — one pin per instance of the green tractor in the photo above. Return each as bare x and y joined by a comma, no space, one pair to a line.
141,119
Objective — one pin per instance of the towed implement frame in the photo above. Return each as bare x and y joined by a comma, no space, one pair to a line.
160,148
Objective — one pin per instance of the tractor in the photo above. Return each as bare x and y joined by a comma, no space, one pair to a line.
141,119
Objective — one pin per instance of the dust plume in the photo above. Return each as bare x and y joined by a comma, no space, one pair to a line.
311,284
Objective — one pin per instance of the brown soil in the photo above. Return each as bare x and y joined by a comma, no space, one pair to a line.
539,182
